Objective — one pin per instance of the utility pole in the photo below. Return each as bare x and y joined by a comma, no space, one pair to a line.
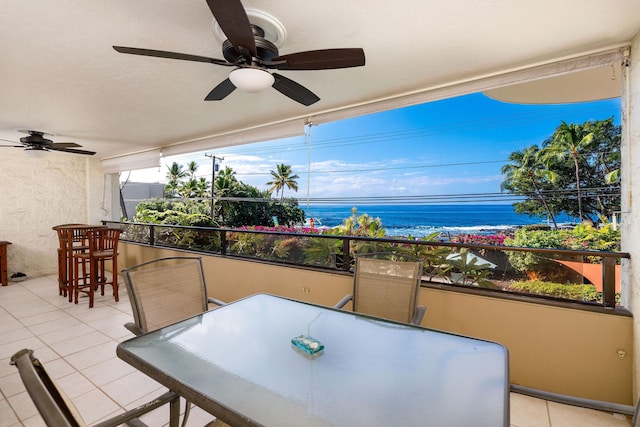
214,168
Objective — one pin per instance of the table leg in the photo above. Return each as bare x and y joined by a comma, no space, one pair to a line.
174,413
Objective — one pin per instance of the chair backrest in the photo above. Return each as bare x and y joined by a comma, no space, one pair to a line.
165,291
386,285
70,237
104,239
54,407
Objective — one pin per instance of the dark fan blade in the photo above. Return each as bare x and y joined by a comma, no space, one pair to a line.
221,91
11,142
70,150
324,59
294,90
11,146
64,145
234,23
170,55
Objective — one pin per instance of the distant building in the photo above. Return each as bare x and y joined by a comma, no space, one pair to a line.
136,192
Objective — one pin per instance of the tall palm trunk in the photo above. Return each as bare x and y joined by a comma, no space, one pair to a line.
578,190
544,202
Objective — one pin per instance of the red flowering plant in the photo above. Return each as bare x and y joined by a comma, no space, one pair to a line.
281,229
481,239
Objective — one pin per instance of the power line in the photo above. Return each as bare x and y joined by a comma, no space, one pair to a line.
480,123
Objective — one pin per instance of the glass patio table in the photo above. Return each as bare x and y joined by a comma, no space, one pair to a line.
238,363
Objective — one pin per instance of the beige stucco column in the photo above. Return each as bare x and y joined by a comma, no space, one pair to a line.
630,205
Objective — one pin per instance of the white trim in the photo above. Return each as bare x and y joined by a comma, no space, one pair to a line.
145,159
267,132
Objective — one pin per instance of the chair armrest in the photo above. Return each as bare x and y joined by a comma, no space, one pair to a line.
134,328
216,301
417,318
344,301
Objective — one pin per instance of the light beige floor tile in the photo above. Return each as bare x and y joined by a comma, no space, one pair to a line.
10,385
528,411
6,368
9,323
159,416
30,307
131,387
7,416
8,349
97,312
62,323
15,335
23,405
79,343
60,334
92,356
59,368
571,416
199,417
50,316
107,371
75,385
95,405
35,421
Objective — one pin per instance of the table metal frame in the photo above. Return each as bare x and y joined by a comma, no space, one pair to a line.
418,376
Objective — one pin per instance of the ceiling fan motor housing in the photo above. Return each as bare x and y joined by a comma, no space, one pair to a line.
265,50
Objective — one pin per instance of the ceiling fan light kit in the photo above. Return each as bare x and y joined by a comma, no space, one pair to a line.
251,79
247,49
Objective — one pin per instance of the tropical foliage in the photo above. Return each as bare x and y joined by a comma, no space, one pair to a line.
576,171
282,177
582,237
236,204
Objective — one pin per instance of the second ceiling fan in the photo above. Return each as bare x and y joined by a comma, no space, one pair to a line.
252,56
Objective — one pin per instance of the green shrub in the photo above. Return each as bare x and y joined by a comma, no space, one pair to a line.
558,290
581,237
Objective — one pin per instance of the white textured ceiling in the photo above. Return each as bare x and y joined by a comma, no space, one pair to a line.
59,73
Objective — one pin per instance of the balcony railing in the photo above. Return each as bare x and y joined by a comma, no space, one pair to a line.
587,277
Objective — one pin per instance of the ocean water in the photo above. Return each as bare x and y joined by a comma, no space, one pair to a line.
422,220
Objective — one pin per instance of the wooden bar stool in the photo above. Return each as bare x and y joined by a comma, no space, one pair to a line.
72,239
65,276
102,247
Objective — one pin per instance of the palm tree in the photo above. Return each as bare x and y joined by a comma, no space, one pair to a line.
526,165
224,186
192,167
188,188
282,177
569,140
202,188
174,174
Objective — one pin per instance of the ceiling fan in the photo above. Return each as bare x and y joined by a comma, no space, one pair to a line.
36,141
252,55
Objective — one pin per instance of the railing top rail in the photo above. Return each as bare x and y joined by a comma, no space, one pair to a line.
603,254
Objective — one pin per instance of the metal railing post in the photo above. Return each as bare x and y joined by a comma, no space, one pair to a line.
346,254
223,242
152,235
609,282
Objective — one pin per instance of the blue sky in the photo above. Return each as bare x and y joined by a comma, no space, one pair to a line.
454,146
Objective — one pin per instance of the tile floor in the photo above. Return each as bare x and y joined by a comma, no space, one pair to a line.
77,346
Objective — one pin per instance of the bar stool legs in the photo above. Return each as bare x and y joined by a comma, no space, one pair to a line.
103,246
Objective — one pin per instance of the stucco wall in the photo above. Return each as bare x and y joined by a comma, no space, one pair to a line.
631,190
41,192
